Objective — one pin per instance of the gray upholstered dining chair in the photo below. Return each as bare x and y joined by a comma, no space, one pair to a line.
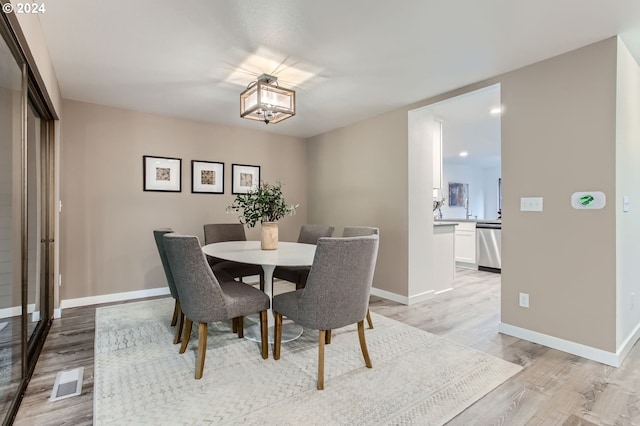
336,294
220,232
178,317
360,231
309,234
203,299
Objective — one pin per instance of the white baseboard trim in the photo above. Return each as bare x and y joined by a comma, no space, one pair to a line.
417,298
16,311
574,348
57,313
627,345
466,265
114,297
390,296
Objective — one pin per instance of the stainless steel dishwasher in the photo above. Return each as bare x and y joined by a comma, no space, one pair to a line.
489,240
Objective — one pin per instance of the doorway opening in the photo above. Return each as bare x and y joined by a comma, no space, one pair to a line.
458,142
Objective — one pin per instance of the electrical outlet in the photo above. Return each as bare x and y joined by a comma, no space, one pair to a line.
524,300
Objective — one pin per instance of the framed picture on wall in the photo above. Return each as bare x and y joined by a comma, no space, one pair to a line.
458,194
207,177
244,178
162,174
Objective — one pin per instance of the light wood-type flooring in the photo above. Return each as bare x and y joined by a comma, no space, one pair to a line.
554,388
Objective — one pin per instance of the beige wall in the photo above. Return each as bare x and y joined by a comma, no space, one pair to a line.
358,176
558,137
107,220
627,179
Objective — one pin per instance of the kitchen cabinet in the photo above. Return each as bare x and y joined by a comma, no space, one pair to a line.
465,243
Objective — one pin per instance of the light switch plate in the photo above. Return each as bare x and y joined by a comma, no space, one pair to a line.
531,204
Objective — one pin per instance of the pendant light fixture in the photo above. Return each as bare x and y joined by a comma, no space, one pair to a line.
265,100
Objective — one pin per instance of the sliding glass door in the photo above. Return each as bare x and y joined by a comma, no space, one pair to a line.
11,365
26,223
38,238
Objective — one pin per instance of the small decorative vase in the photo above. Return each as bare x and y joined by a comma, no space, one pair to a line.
269,240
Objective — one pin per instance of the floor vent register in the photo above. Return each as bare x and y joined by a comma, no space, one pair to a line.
68,383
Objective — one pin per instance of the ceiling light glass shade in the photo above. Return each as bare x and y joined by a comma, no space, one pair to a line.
267,102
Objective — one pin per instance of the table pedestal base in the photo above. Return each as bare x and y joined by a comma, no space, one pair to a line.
290,331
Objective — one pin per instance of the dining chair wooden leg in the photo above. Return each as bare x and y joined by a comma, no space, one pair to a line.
234,325
327,337
187,335
369,319
202,349
321,339
178,337
277,335
363,344
262,281
264,334
176,312
240,327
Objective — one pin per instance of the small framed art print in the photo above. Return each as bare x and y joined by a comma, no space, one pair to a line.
162,173
207,177
244,178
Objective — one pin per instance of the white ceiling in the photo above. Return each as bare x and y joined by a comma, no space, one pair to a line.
366,56
468,125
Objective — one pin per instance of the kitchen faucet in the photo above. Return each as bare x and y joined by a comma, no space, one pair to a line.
468,214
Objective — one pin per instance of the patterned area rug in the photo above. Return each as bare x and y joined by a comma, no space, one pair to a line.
417,377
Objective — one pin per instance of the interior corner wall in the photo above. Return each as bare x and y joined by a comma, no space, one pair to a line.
107,219
627,179
558,137
358,176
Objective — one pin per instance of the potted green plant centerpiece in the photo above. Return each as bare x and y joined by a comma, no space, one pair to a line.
266,205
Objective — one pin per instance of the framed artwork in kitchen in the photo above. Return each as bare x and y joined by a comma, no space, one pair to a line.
458,194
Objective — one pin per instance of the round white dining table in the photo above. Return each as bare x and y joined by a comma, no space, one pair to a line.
287,254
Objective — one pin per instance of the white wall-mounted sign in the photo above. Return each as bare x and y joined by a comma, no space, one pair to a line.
588,200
